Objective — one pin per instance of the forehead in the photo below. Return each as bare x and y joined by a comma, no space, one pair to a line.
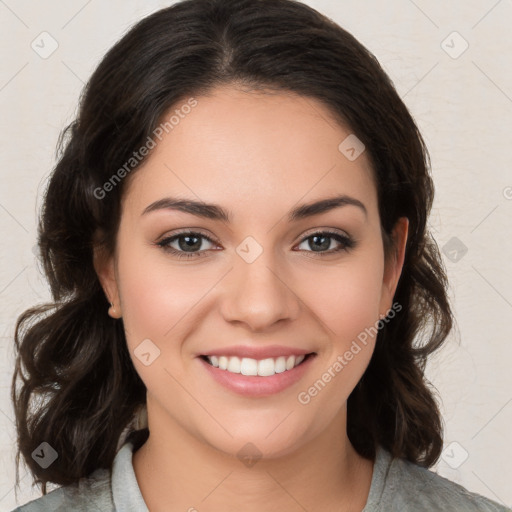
255,150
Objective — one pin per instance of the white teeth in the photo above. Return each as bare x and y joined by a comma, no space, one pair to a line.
248,366
234,365
266,367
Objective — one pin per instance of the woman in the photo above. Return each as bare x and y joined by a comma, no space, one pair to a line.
246,195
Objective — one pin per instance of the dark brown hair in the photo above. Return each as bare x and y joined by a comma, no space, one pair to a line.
74,385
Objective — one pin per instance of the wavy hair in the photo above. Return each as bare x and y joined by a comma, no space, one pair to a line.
74,384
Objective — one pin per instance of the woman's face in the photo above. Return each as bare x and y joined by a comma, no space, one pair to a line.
259,279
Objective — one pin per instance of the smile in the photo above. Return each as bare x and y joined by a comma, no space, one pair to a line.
257,377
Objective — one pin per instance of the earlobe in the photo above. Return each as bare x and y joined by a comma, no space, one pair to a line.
112,311
104,265
395,263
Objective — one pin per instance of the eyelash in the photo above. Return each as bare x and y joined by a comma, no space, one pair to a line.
347,243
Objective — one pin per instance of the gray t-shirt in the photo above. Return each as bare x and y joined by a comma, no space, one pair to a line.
397,485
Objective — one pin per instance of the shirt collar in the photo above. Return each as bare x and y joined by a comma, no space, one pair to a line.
125,489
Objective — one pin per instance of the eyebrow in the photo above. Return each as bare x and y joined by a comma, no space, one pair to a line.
216,212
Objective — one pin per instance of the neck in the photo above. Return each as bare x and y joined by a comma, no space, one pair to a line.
177,471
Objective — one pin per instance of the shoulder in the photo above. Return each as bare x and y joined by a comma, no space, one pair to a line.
409,486
89,494
105,489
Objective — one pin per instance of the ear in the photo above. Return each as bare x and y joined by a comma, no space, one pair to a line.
394,265
105,267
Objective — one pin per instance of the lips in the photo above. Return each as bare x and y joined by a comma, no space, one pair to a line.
256,386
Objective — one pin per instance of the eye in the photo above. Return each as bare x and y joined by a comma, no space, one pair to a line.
188,242
322,240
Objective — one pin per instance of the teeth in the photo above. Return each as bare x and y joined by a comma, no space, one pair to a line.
263,367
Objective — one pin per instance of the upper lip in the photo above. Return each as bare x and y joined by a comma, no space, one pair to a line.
271,351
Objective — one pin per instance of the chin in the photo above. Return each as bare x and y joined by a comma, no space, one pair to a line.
254,441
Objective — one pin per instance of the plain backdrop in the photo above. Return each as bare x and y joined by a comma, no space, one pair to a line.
451,64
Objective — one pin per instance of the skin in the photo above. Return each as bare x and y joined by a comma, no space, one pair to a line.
256,155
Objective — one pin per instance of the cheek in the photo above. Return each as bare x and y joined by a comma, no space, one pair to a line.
157,301
346,300
349,311
347,296
156,297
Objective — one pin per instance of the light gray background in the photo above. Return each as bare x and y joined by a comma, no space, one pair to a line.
463,106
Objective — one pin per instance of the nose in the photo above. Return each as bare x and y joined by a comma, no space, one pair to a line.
258,294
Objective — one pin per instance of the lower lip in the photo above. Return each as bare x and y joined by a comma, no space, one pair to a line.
255,385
